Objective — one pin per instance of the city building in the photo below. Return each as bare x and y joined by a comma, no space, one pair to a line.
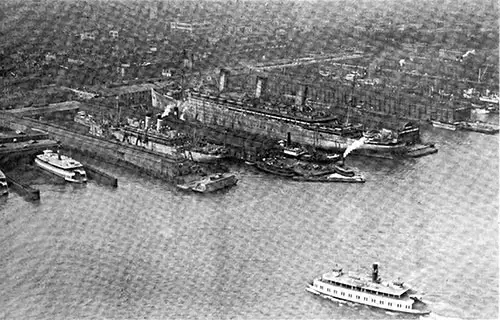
190,27
113,34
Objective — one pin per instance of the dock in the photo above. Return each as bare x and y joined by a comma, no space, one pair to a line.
100,176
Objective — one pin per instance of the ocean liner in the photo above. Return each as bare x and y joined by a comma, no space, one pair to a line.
323,133
388,295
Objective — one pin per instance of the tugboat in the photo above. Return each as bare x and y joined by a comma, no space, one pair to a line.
388,295
4,189
332,173
211,183
62,166
276,167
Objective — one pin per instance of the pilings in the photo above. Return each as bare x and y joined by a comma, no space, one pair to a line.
23,190
100,176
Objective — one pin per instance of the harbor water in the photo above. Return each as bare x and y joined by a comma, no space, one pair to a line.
148,251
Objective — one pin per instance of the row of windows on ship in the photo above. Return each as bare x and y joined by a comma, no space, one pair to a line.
338,284
366,299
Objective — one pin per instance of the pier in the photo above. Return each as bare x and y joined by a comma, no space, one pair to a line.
24,190
100,176
150,162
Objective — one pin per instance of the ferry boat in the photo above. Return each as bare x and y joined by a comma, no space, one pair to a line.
62,166
211,183
4,188
388,295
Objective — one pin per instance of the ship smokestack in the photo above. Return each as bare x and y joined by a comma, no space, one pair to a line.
147,121
159,123
224,74
261,86
375,272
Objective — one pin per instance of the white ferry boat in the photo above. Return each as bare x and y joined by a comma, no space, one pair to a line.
4,189
63,166
394,295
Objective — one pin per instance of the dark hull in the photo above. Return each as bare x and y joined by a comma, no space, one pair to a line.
334,177
283,172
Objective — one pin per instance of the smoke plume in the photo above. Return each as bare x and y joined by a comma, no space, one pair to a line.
356,144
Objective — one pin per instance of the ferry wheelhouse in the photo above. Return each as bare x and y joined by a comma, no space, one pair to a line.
393,295
62,166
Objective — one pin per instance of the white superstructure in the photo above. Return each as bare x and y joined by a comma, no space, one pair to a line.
393,295
63,166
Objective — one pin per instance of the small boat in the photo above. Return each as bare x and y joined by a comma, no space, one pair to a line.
292,151
276,167
203,155
332,177
481,110
444,125
211,183
493,99
347,172
477,126
371,291
313,170
4,188
62,166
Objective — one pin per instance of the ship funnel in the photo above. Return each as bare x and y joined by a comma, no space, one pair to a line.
261,86
223,75
147,122
375,272
159,123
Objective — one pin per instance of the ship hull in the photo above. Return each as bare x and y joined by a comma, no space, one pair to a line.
202,157
443,125
332,177
209,185
310,288
211,111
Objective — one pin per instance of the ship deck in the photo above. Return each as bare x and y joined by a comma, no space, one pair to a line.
365,283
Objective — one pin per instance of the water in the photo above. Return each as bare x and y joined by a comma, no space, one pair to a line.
148,251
